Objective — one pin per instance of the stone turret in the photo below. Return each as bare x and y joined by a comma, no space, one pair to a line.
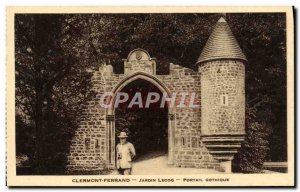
222,68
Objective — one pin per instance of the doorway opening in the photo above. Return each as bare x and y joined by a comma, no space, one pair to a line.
147,127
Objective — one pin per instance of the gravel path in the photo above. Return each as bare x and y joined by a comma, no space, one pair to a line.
158,166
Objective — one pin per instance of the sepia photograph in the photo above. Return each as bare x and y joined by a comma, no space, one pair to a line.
153,97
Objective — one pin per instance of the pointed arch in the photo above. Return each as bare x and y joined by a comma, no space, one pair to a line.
135,76
110,115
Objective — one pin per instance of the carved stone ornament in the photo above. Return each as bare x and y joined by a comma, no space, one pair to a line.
138,55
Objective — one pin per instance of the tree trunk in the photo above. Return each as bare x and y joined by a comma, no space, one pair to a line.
39,126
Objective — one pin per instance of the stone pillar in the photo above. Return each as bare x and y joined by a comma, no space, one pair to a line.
110,140
226,165
171,124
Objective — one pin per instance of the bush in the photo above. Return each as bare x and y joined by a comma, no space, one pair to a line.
255,148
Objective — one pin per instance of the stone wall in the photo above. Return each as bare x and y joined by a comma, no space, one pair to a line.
87,150
203,137
189,150
219,87
90,147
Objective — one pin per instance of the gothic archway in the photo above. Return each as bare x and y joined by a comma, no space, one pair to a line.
111,112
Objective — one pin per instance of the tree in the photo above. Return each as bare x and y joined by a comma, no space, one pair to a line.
51,85
255,148
263,39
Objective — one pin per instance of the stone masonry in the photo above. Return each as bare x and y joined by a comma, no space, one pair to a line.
205,137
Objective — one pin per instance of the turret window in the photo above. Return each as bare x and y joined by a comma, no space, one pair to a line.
224,100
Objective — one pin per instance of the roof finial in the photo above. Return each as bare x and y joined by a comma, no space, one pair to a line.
222,18
223,15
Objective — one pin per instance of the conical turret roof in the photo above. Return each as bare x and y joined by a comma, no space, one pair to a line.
221,44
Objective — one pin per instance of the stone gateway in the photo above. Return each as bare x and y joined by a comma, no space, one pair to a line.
205,137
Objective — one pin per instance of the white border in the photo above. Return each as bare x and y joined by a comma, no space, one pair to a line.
4,3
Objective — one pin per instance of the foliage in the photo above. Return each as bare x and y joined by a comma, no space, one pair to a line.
51,85
263,40
254,149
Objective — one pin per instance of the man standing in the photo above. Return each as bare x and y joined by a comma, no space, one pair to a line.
125,154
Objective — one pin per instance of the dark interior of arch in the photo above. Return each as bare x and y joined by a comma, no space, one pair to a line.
147,127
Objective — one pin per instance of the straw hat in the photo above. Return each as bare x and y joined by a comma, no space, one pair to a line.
123,135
